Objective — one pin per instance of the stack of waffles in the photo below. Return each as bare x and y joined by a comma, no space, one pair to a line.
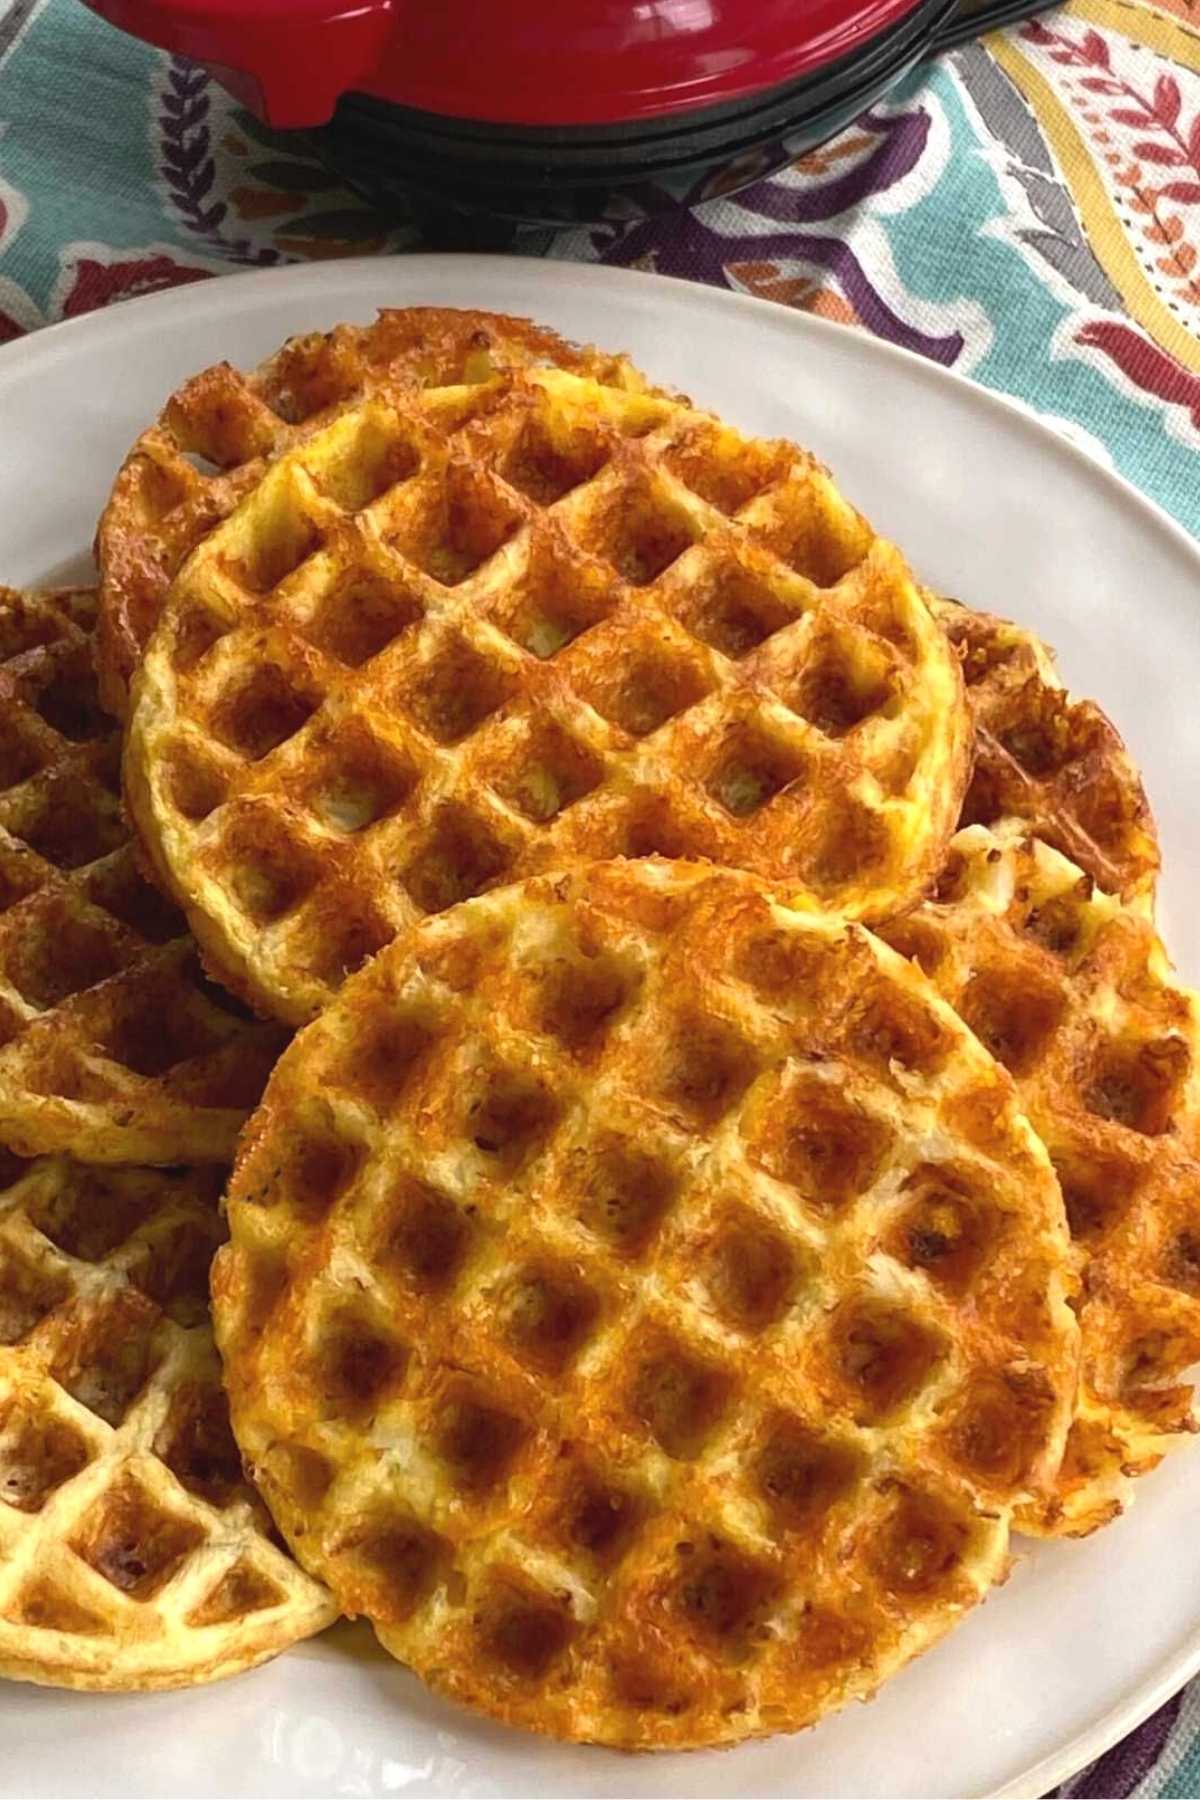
736,1164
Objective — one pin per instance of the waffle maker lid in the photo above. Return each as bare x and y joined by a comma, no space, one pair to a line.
519,62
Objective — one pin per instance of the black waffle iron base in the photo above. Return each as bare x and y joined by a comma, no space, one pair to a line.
468,182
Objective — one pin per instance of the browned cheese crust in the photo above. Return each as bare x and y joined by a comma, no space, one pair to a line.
113,1045
213,439
1071,989
1042,756
464,635
646,1304
133,1552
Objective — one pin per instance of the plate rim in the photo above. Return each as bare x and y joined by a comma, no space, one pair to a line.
47,340
20,357
1086,1746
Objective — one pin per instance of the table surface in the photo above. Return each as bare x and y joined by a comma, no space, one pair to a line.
1025,211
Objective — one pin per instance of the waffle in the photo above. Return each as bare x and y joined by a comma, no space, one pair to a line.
1053,761
645,1303
1072,990
133,1553
457,639
113,1045
213,438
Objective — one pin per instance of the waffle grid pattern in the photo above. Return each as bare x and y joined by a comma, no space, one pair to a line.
216,434
133,1554
1053,761
1072,991
113,1046
459,638
611,1339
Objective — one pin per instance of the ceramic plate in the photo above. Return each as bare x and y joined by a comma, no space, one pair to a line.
990,504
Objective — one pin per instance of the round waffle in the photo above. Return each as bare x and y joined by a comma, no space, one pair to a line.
215,435
113,1045
462,637
645,1303
133,1553
1053,761
1072,990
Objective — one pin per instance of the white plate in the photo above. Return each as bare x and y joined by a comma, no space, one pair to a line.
1085,1639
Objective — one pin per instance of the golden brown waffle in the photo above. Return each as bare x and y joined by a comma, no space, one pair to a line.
455,639
645,1303
133,1553
1056,762
113,1046
1072,990
211,442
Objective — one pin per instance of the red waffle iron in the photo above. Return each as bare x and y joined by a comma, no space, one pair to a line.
554,112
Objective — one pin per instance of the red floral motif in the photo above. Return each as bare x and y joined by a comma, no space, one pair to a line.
9,328
1145,365
99,284
1166,143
